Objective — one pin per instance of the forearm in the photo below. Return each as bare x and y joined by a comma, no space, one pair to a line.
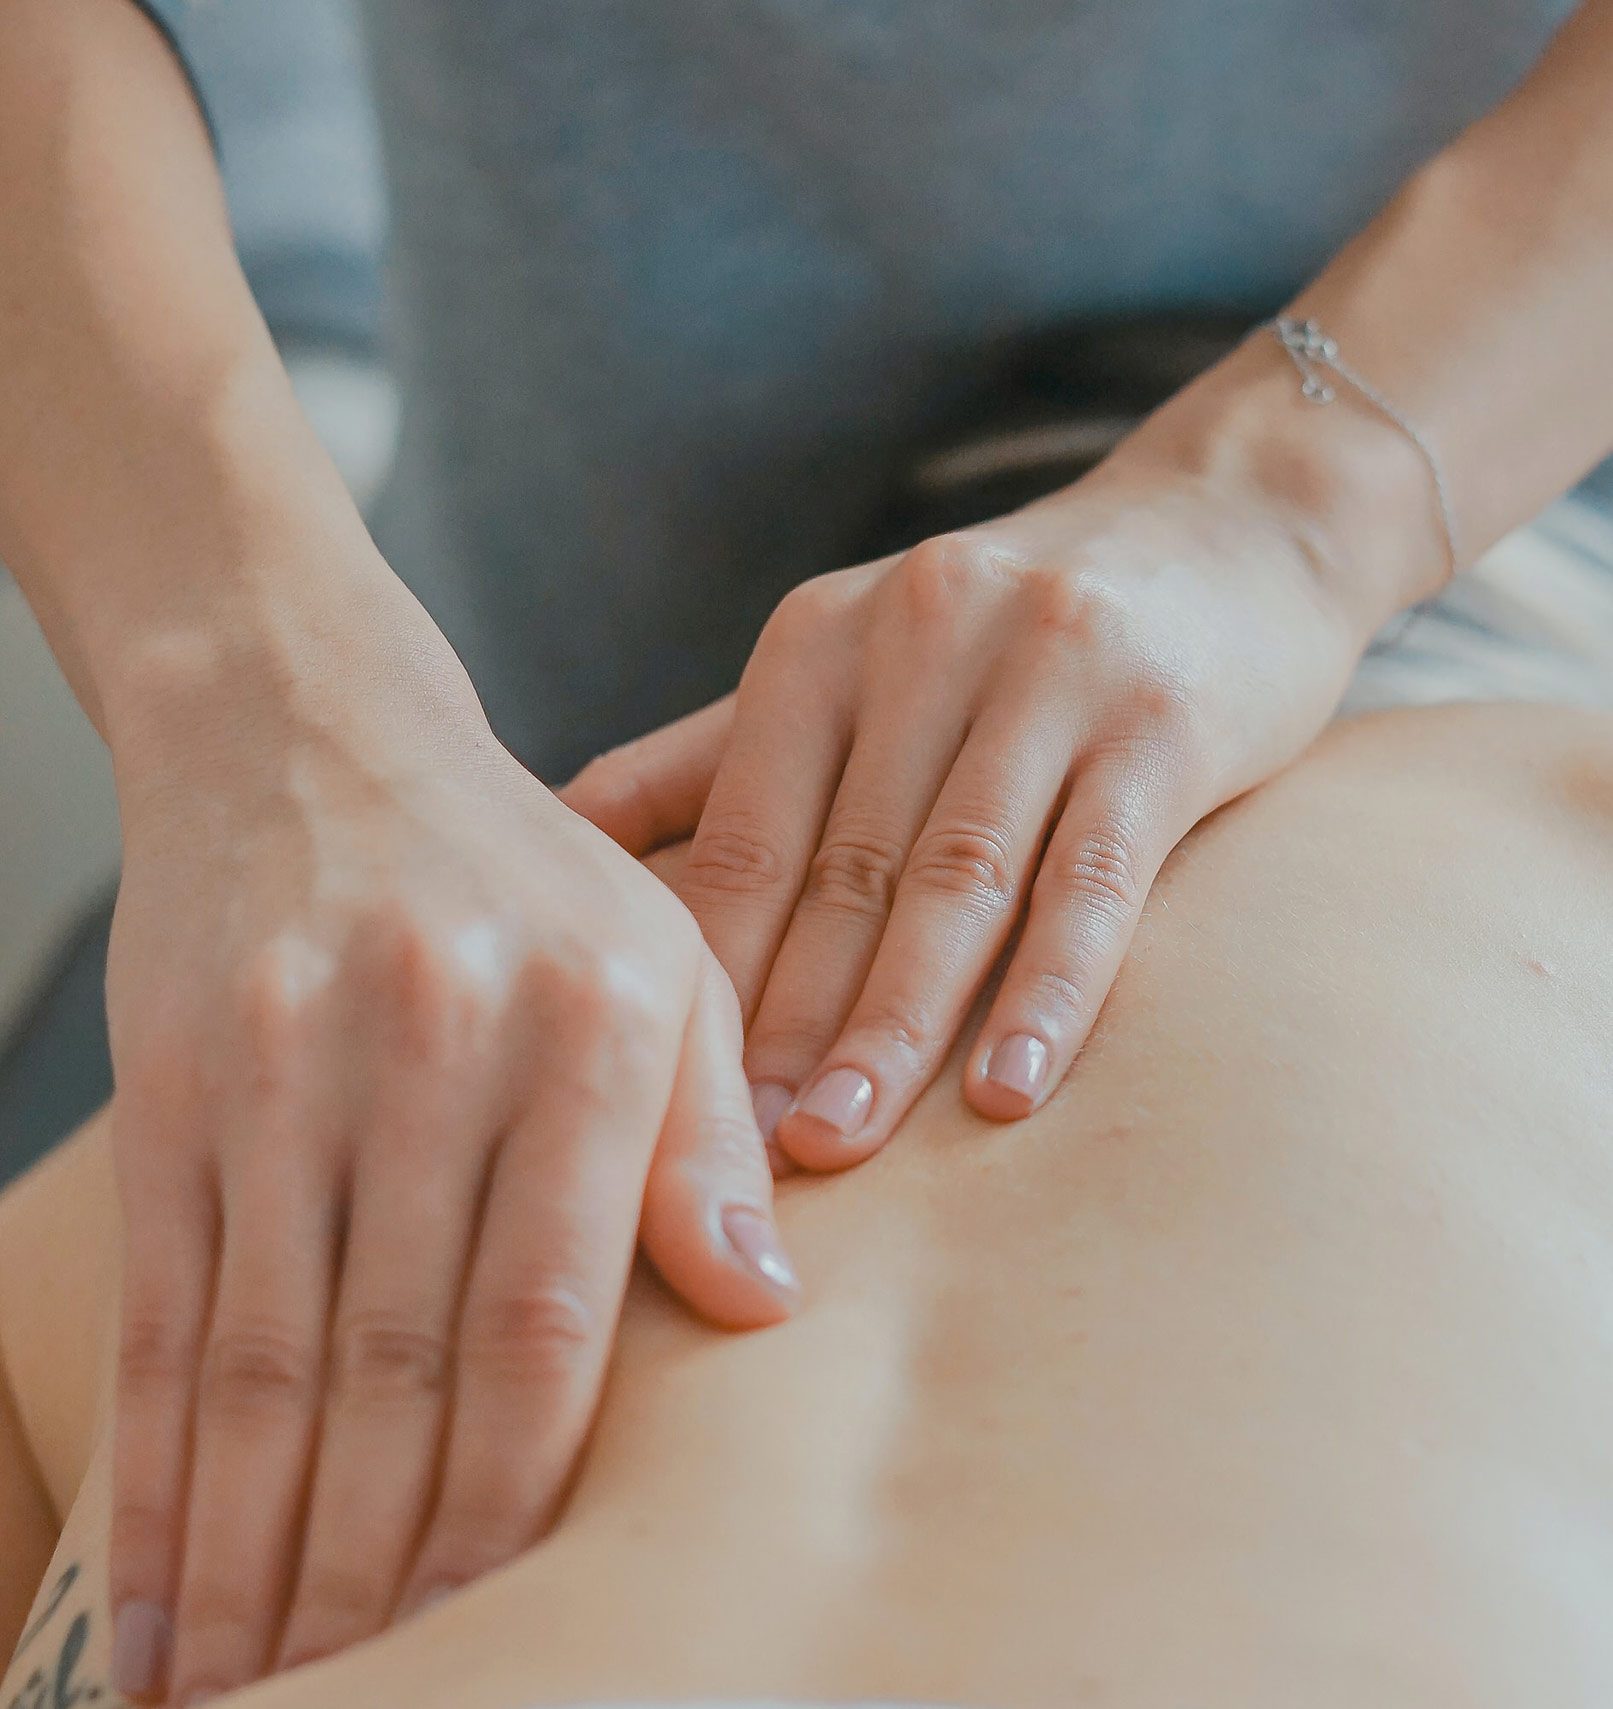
163,502
1477,303
1479,300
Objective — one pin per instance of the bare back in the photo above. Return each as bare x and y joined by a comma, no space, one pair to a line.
1271,1363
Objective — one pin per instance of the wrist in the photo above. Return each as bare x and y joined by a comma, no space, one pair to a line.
343,665
1343,482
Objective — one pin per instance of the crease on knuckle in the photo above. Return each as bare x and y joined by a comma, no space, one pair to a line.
971,864
383,1357
854,873
788,1048
153,1356
140,1528
895,1024
732,859
1102,872
474,1531
336,1590
534,1333
1053,996
730,1142
254,1369
218,1618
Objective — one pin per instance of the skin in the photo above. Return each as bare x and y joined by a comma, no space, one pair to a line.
1008,728
1268,1363
368,977
377,999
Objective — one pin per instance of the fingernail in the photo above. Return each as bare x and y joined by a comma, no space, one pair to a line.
756,1241
1018,1064
840,1099
142,1641
769,1100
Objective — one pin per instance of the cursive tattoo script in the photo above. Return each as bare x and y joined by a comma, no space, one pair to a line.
59,1681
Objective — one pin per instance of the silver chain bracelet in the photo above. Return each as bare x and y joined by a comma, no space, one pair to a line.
1315,355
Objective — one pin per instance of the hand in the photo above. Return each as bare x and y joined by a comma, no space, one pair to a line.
1007,727
402,1048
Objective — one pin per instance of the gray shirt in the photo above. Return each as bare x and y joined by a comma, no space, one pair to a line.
676,285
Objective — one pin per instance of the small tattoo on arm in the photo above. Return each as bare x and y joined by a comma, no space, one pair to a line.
60,1682
58,1593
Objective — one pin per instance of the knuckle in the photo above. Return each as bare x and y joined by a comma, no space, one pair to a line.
277,990
733,858
1077,608
140,1528
732,1144
602,998
343,1592
1054,995
479,1525
154,1356
799,616
788,1045
855,873
1103,872
156,1082
940,579
574,983
971,864
610,782
383,1357
257,1369
219,1619
533,1333
897,1025
1173,737
442,996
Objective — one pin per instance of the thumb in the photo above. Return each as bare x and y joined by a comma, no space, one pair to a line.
708,1204
653,790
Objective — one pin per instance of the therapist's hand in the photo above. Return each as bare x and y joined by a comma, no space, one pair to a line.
404,1049
1009,727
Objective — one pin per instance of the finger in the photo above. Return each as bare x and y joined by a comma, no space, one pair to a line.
416,1193
257,1401
650,792
905,745
765,815
170,1231
708,1208
1125,814
551,1259
956,902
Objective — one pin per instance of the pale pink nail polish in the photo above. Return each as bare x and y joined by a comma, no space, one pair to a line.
142,1642
769,1100
756,1241
840,1099
1019,1064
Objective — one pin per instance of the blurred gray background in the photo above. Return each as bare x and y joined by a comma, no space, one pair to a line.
285,82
